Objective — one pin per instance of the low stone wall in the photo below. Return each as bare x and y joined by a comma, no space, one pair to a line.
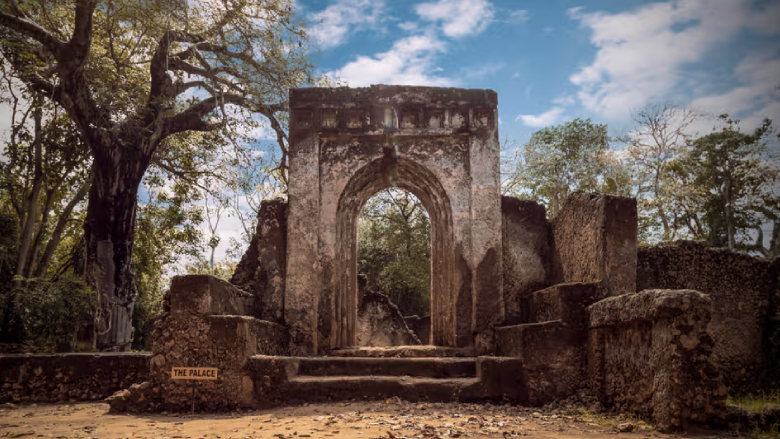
650,353
68,377
593,238
741,288
199,329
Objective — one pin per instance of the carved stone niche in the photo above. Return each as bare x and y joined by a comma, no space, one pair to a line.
483,117
436,119
357,119
330,119
303,120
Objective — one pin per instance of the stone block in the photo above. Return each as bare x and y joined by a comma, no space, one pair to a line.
594,239
564,302
525,252
650,353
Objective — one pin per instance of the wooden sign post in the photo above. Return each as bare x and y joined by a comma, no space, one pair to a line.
194,373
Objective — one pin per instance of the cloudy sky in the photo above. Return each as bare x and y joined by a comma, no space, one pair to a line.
556,60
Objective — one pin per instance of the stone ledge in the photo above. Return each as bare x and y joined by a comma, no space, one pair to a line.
647,305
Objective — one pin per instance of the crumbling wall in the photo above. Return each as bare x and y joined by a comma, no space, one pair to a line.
381,324
68,377
651,353
740,288
593,238
207,323
525,251
421,326
262,268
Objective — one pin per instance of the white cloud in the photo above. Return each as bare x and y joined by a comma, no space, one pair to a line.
338,20
515,75
409,62
459,17
549,117
518,16
476,72
642,53
758,75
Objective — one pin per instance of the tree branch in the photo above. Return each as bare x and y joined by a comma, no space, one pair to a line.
34,31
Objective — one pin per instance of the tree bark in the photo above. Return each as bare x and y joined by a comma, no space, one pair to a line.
109,230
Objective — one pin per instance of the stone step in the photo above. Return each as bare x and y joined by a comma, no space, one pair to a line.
402,352
341,388
398,367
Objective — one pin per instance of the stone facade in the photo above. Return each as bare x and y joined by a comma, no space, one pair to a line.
742,289
348,144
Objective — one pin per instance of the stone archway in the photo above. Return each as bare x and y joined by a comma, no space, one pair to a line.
421,182
347,144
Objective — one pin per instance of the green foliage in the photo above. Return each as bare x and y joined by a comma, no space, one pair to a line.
167,230
559,160
51,314
394,251
737,175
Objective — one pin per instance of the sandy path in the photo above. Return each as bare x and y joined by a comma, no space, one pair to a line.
363,420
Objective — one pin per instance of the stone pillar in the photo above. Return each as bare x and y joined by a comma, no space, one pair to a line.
485,212
303,283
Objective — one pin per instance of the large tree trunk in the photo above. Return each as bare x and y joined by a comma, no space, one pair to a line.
110,225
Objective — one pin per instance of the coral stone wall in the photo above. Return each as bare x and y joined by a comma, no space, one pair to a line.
650,353
740,288
525,251
68,377
262,268
594,239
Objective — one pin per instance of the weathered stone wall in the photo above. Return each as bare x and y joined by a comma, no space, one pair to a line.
421,326
381,324
68,377
204,325
525,251
262,268
346,145
593,238
651,353
740,287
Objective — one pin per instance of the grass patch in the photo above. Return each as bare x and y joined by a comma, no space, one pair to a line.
755,401
773,432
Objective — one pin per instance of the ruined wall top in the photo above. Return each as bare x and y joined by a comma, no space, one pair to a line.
396,109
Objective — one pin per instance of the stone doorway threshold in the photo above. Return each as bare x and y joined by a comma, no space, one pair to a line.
403,352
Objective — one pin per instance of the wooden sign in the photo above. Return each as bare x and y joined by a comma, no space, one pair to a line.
194,373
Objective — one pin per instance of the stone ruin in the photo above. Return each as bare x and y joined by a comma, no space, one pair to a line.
522,309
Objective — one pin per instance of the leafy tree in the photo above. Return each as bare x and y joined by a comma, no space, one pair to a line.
394,251
131,75
559,160
738,176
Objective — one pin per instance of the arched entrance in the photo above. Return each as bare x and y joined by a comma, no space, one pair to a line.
366,182
346,145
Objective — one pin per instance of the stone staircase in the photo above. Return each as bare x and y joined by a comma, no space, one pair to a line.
552,339
434,379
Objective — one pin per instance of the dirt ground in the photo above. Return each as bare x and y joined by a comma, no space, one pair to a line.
363,420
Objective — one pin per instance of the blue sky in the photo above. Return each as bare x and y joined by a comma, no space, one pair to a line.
553,61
